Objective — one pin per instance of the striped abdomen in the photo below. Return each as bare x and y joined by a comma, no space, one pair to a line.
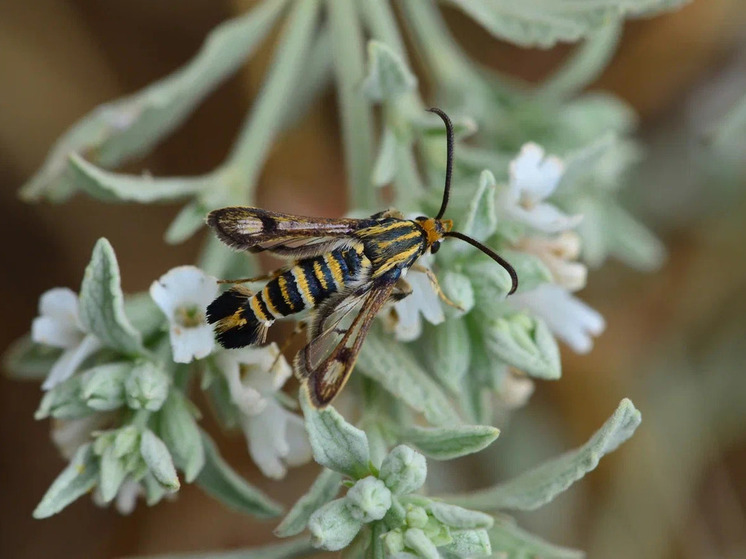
242,318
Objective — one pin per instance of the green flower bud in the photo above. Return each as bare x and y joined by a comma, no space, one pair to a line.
333,526
146,387
403,470
394,542
416,517
368,499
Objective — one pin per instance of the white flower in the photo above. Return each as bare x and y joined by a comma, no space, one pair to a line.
58,325
533,178
558,254
515,389
183,294
424,300
276,437
68,435
126,498
567,317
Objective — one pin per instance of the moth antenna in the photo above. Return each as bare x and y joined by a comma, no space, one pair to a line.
449,159
491,253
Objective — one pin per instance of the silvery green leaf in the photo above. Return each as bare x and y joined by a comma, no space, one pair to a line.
416,539
336,444
581,162
539,486
178,429
64,401
631,242
526,343
112,474
458,517
542,23
26,360
103,386
284,550
130,126
531,271
333,527
447,443
510,541
147,386
323,490
394,367
186,223
490,284
218,479
432,126
469,543
101,303
144,314
388,76
154,491
76,480
446,352
121,187
384,168
592,116
126,441
457,287
480,220
159,461
403,470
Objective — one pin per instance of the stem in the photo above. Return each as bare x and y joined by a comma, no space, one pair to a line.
584,65
355,113
266,118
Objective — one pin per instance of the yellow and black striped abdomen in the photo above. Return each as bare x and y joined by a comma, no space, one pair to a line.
242,320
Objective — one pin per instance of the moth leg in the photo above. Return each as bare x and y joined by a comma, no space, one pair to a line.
402,289
434,282
300,327
263,277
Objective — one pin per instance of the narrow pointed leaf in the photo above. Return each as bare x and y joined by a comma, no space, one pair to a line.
323,490
511,542
76,480
447,443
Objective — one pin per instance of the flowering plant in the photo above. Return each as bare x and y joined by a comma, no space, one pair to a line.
537,181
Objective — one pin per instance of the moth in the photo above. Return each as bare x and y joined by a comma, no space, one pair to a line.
342,272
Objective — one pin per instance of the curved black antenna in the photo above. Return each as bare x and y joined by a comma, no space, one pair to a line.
449,158
491,253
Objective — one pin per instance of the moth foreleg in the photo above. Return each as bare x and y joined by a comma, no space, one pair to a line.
436,286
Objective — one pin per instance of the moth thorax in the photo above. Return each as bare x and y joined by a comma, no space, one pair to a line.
435,228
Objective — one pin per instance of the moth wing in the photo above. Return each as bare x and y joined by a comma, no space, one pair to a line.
287,235
325,363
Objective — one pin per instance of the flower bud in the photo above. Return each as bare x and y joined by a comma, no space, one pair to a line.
332,526
403,470
416,517
146,387
368,499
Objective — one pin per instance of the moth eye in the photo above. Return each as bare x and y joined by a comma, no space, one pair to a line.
420,218
435,247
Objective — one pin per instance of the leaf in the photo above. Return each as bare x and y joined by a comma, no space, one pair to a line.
178,429
526,343
187,222
284,550
384,168
76,480
631,241
121,187
101,303
394,367
447,352
26,360
64,401
542,23
480,220
130,126
103,386
447,443
218,479
470,543
420,543
144,314
459,517
388,76
531,271
112,474
509,541
156,455
333,527
336,444
323,490
539,486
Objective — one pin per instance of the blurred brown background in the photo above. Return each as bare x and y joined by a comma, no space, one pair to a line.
678,489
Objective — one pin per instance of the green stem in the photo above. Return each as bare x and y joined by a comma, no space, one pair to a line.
355,112
266,118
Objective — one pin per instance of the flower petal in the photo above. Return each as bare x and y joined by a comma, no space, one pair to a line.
184,285
188,344
246,398
60,303
127,496
299,447
266,435
532,176
544,217
52,331
70,360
